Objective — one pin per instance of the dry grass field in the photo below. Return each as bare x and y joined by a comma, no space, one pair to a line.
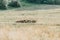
47,26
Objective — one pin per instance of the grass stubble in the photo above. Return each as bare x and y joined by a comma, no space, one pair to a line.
10,30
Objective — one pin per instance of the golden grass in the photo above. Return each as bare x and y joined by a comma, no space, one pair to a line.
32,32
46,26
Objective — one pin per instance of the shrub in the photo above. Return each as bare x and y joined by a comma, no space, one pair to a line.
2,6
44,1
40,1
14,4
33,1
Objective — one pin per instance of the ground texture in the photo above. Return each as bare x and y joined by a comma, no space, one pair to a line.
47,26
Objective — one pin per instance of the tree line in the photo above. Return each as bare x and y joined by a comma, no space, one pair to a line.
44,1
